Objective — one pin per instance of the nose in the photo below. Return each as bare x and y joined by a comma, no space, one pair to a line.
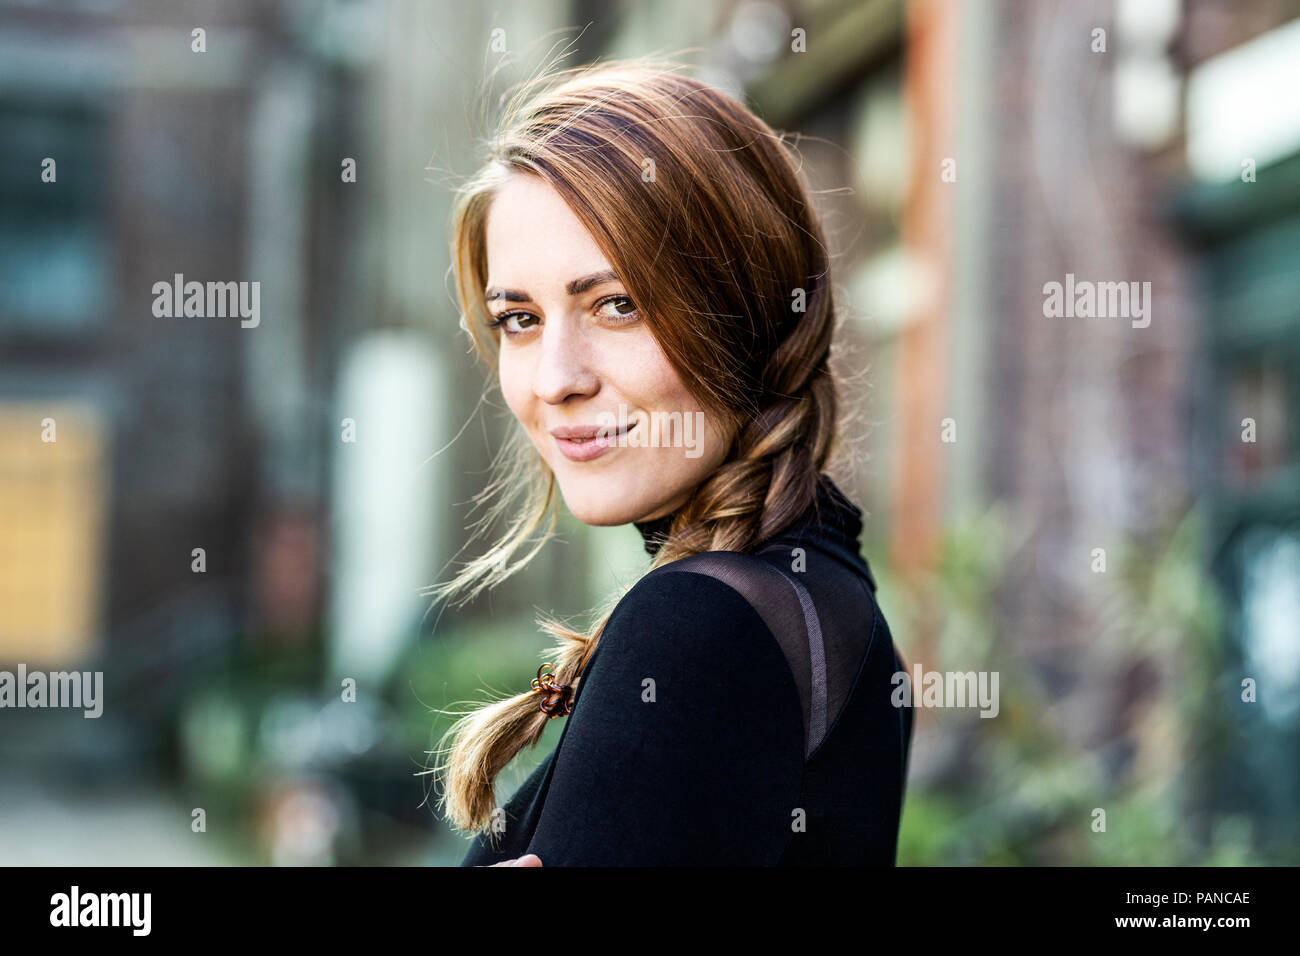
563,368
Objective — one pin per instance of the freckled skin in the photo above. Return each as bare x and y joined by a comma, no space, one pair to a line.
575,357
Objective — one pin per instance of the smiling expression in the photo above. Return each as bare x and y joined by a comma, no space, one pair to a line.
576,354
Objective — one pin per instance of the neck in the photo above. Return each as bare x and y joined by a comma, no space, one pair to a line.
653,531
831,515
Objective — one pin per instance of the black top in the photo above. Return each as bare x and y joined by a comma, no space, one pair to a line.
737,710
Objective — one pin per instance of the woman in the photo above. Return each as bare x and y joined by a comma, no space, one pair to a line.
640,261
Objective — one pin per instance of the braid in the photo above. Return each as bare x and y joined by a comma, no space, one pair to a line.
771,476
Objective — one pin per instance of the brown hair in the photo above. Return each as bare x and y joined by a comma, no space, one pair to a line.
672,178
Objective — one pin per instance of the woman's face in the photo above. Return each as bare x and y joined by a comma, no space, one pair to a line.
577,358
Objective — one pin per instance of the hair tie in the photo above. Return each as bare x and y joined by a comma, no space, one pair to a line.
556,698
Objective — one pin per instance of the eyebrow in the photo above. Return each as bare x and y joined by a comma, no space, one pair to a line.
576,287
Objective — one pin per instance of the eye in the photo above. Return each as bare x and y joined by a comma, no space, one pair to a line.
509,322
623,309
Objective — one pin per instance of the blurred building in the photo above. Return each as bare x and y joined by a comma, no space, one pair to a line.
180,506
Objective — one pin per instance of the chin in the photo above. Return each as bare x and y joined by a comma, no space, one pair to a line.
603,500
600,512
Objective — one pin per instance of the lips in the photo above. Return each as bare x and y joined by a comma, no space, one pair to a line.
585,442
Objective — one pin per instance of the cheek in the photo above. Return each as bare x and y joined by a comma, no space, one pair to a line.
655,386
513,374
650,377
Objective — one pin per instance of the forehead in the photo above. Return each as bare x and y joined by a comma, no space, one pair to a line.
533,236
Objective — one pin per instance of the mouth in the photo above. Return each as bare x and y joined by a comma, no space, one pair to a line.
585,442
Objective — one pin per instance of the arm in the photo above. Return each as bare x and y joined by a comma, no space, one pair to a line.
709,771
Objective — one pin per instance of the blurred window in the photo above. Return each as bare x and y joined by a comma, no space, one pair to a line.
1270,611
51,498
54,254
1259,397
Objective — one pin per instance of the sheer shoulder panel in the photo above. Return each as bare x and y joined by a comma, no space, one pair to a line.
788,609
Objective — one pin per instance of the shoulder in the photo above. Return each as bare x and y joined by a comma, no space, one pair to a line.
682,626
736,596
699,606
686,742
692,575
